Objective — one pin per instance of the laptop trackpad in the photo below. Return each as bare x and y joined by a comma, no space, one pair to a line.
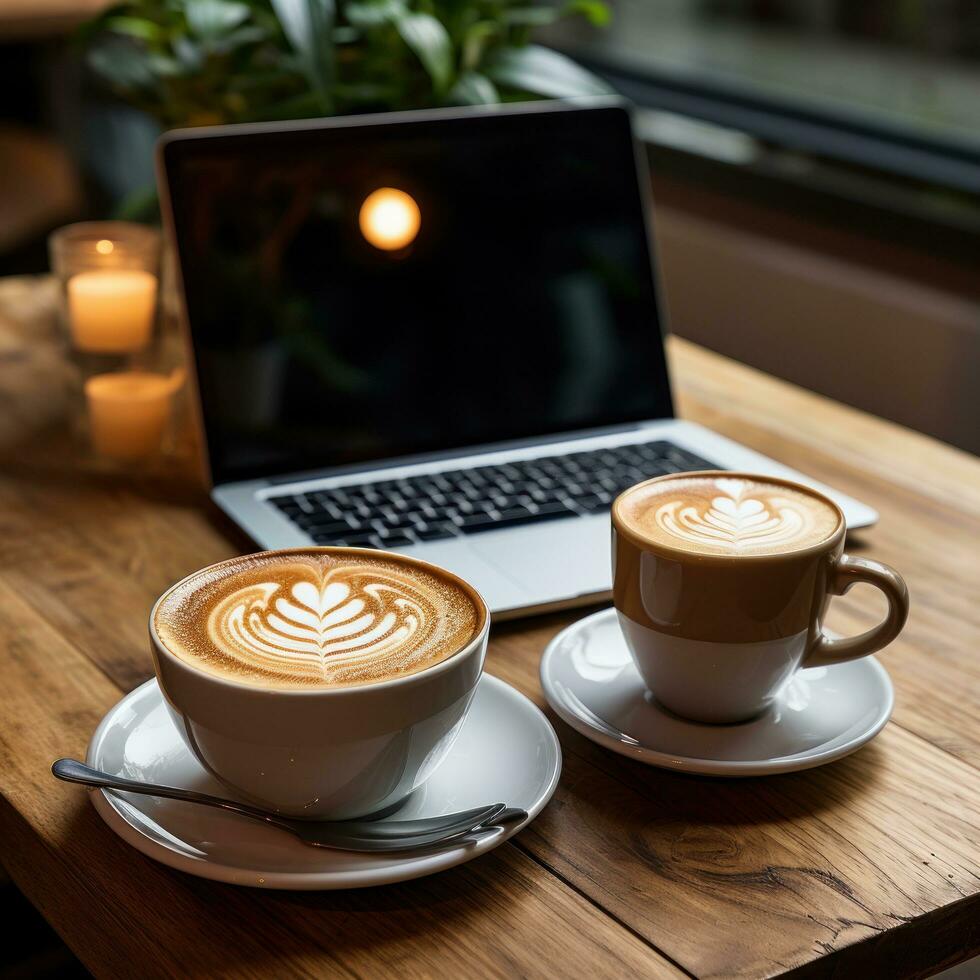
559,560
500,589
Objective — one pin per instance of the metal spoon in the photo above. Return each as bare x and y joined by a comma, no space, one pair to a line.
343,835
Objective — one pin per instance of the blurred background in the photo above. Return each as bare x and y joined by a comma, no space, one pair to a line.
815,163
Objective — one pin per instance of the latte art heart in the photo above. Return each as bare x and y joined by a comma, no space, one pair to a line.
324,626
728,515
735,521
316,619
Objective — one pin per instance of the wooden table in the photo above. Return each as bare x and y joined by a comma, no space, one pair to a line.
867,867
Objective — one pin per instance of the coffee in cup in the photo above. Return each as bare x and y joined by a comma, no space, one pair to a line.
326,683
721,582
727,515
308,620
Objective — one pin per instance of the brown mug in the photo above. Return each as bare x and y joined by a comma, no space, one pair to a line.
715,622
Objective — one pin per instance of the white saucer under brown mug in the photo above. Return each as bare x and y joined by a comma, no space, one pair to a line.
721,582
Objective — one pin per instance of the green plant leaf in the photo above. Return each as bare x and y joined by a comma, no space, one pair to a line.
373,13
163,66
474,40
188,53
532,16
308,26
596,12
210,19
300,19
428,38
121,64
138,27
249,34
541,71
472,88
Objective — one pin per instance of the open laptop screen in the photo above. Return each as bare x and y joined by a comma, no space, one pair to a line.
500,288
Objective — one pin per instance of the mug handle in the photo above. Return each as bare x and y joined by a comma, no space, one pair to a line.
848,571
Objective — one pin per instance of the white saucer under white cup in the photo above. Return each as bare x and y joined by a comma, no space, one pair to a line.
822,713
506,751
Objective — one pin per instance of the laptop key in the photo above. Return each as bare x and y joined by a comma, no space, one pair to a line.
327,506
398,541
336,529
555,508
396,524
513,513
436,514
688,461
586,501
436,532
288,505
475,526
657,468
540,496
476,522
309,522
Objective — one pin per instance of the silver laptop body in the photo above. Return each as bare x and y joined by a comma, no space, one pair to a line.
520,567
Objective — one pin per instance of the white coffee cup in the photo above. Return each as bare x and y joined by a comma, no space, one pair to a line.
329,753
715,635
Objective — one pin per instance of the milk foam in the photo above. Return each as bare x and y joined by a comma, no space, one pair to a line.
728,515
316,619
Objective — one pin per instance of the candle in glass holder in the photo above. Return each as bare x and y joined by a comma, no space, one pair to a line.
129,411
110,311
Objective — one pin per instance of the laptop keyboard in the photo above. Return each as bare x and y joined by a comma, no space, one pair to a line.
433,506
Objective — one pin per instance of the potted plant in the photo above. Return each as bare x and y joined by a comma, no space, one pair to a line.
194,62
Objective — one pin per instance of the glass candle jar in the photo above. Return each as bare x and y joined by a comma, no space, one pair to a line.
129,412
109,275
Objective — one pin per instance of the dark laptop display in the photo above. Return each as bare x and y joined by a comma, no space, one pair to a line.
520,307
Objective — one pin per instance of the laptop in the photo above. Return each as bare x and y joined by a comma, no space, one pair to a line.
436,333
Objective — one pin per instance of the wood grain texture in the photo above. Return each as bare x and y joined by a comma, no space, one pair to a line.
868,866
